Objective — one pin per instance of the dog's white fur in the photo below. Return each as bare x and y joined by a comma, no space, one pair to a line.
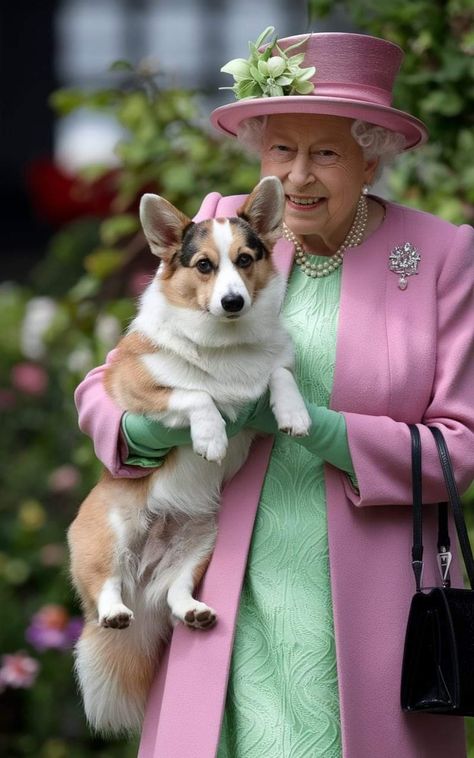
138,547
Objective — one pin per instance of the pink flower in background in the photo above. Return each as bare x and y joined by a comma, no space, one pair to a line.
53,628
64,478
18,670
29,378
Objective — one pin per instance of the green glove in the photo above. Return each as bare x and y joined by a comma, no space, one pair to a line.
327,436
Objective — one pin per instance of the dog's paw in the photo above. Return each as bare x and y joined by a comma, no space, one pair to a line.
199,616
210,440
296,422
117,617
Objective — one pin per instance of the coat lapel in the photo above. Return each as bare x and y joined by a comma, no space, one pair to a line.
362,360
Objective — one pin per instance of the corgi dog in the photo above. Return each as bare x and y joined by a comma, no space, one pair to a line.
207,340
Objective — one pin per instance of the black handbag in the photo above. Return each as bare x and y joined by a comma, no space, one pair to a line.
438,659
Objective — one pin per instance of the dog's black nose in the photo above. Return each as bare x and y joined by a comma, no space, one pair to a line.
232,303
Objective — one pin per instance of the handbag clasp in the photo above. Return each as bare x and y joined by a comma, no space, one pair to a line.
444,559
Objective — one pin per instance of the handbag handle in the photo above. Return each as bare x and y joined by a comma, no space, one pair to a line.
417,547
454,499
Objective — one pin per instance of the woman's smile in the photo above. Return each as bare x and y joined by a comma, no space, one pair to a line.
303,203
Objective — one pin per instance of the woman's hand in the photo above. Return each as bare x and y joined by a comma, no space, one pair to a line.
327,436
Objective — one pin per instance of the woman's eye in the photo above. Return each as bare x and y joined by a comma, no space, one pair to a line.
325,156
281,152
204,266
244,260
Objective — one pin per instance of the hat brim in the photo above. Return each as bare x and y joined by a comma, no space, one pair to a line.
227,118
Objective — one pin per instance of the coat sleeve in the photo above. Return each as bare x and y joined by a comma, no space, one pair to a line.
380,446
99,417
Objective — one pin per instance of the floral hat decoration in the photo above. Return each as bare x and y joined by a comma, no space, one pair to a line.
328,73
269,74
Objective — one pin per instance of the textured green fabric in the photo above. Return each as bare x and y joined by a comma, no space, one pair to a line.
282,699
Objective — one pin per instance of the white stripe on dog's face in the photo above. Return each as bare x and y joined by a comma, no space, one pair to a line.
229,285
219,268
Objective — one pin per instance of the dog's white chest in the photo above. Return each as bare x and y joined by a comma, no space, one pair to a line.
192,486
229,375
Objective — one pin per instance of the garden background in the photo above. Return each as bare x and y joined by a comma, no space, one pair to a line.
60,316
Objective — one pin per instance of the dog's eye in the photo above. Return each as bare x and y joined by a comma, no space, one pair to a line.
244,260
204,266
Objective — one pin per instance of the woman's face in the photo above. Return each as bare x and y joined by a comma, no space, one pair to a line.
322,170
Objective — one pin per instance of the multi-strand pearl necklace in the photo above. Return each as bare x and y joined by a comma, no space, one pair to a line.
354,238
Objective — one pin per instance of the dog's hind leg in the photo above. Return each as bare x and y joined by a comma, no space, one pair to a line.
99,539
196,542
180,598
112,611
181,568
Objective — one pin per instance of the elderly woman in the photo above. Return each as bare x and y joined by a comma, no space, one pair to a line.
379,304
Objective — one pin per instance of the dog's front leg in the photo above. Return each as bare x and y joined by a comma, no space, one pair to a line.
207,425
287,404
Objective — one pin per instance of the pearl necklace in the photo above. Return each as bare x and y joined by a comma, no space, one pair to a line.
354,238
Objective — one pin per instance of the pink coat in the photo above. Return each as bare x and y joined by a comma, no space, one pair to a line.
402,356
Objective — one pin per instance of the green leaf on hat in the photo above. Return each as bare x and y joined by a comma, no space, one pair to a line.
303,88
268,31
296,44
259,75
238,67
284,81
306,74
296,60
247,88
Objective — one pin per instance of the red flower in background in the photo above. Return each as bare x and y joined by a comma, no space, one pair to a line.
59,197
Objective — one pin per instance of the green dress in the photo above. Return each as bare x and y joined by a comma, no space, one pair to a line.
282,699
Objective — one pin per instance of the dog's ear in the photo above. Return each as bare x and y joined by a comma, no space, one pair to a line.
163,225
264,209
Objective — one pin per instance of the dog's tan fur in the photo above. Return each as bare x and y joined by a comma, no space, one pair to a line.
141,395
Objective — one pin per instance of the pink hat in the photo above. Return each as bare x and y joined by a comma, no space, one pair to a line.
354,78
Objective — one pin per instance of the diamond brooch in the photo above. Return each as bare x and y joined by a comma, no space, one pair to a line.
404,260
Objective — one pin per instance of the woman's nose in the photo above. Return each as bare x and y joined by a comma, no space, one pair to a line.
301,171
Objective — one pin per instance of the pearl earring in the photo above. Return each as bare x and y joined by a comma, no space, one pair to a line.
366,189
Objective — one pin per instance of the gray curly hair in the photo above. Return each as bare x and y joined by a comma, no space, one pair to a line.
375,141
